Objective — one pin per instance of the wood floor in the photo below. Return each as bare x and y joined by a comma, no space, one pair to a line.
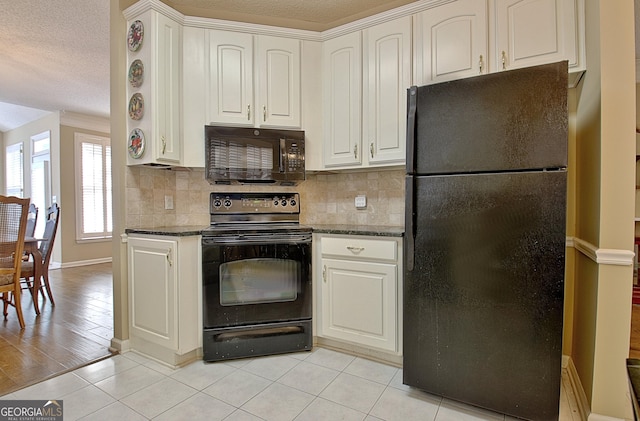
73,333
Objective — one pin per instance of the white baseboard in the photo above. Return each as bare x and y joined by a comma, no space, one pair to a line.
120,345
576,387
57,265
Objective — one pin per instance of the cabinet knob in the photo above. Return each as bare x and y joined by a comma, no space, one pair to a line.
504,61
481,63
164,144
249,112
264,113
371,149
355,151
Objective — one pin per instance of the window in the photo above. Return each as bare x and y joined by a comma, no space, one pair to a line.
93,187
41,178
14,172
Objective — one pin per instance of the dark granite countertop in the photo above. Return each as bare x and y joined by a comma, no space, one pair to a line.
183,231
379,231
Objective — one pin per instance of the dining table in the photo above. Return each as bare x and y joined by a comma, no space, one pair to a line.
31,247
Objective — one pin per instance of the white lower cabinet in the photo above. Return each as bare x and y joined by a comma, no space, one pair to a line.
359,290
164,285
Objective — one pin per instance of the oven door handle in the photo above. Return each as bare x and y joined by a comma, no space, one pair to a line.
259,239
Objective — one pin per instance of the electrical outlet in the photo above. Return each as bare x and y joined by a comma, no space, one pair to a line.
361,202
168,202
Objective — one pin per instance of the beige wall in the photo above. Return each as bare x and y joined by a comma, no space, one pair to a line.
72,251
605,149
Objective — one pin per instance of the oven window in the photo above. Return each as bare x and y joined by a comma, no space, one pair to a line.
252,281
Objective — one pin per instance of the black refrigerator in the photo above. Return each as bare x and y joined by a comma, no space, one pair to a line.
485,239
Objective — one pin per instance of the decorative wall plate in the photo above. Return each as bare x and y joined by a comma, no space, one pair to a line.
136,106
136,35
136,143
136,73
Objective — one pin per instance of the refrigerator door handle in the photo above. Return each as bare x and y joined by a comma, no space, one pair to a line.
412,96
409,216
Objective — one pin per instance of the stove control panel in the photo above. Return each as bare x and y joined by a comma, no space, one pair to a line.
251,203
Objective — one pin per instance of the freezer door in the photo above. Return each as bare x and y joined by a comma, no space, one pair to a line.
509,120
484,299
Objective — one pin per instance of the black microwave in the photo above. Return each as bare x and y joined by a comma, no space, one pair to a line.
246,155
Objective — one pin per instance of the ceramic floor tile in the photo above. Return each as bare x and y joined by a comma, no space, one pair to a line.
200,375
105,368
396,382
355,392
237,388
309,378
371,370
401,405
456,411
271,368
198,407
322,409
53,388
115,411
129,381
278,403
85,401
330,359
159,397
241,415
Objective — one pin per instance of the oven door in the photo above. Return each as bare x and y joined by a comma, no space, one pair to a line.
252,279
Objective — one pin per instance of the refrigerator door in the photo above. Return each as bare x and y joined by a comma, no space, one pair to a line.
509,120
483,304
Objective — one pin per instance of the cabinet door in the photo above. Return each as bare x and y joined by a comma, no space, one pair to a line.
359,303
342,58
451,41
531,32
278,73
167,90
388,78
231,78
153,290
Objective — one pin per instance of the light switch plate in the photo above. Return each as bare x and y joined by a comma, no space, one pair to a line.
361,202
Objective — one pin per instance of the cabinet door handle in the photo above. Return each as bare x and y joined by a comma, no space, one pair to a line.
169,260
371,149
481,64
355,151
164,144
355,249
324,273
504,61
249,112
264,113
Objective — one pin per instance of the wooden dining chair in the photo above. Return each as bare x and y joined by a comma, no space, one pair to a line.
13,225
45,247
31,220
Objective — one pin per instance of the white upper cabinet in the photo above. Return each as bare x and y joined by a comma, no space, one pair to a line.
342,65
531,32
451,41
278,78
388,78
366,76
231,78
154,92
263,92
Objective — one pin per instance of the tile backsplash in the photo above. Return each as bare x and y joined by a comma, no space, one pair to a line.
326,198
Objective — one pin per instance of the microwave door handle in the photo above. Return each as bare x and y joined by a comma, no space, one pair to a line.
283,148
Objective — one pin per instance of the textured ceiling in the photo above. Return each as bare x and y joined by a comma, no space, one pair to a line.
54,54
